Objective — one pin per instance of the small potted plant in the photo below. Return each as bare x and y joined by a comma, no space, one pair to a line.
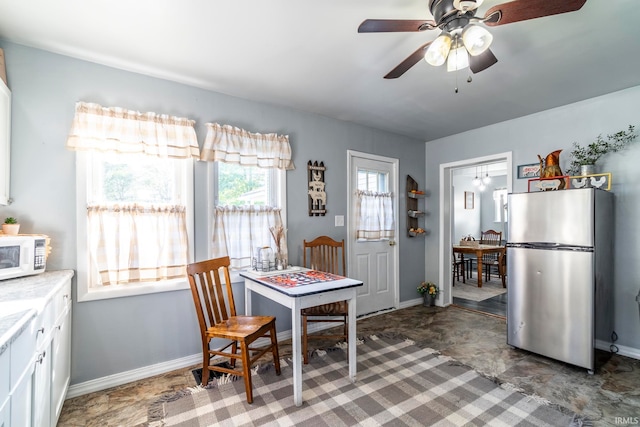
583,159
10,226
429,292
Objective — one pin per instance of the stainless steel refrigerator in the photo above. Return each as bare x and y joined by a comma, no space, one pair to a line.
560,273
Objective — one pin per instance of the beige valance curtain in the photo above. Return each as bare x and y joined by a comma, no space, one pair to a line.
115,129
230,144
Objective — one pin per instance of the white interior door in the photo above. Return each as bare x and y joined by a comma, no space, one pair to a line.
373,262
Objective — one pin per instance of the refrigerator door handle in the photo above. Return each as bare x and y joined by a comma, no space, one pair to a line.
549,246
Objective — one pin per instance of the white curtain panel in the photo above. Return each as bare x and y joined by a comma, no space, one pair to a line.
375,220
133,243
225,143
239,230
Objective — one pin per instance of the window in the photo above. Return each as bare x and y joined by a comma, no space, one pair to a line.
134,195
127,198
247,201
500,205
370,180
374,207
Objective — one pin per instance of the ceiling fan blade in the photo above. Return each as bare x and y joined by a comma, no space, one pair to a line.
483,61
404,66
394,25
522,10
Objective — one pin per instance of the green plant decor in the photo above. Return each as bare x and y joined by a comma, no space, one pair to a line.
10,220
590,154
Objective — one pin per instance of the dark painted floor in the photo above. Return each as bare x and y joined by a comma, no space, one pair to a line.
496,305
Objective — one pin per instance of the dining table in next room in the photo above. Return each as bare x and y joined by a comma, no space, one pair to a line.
480,250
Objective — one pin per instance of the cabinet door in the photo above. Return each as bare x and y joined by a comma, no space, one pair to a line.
21,400
61,365
5,141
41,410
5,407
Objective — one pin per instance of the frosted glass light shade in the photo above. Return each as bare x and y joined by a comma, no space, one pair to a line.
458,59
476,39
438,50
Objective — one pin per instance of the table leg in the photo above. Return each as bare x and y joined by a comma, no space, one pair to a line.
352,339
247,299
296,349
479,262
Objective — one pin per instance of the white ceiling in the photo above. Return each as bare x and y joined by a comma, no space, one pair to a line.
308,55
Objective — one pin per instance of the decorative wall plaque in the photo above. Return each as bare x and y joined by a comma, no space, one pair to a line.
317,194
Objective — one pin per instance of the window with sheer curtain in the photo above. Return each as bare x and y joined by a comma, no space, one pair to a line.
374,216
248,198
135,200
500,205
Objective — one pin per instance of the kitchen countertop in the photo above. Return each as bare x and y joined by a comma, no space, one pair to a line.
22,299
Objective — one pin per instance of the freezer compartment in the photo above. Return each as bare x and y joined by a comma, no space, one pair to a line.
565,217
550,304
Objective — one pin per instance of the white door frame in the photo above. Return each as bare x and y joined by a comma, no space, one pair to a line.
351,232
446,211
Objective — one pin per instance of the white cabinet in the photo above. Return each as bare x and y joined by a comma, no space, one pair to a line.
22,350
5,375
5,142
38,371
61,360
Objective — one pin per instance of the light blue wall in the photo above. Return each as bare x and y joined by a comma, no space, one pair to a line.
123,334
543,133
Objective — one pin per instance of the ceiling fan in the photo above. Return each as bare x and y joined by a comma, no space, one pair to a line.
463,41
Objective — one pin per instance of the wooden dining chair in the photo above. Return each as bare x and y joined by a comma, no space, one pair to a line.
490,261
324,254
216,311
458,268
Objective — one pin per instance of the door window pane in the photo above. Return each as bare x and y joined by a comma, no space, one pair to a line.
370,180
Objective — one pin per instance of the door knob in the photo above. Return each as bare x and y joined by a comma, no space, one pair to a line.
392,242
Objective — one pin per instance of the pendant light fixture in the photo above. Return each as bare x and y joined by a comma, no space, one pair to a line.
486,179
476,181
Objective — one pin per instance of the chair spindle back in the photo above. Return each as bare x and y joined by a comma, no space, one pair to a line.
208,293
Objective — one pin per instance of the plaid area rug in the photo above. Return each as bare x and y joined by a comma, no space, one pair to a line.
397,384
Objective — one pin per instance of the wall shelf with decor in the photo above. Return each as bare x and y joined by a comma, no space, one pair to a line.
414,213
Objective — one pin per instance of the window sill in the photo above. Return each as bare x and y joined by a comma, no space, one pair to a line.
119,291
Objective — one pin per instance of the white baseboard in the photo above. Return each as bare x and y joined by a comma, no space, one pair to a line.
631,352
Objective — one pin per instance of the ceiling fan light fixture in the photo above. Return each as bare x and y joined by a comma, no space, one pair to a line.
458,59
476,39
465,5
438,51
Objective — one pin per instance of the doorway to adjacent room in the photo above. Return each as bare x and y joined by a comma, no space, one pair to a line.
468,206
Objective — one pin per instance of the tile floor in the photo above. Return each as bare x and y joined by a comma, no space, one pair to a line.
608,398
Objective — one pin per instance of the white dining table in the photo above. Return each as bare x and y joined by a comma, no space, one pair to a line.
303,296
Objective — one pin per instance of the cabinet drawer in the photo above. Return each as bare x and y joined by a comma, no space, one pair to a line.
61,300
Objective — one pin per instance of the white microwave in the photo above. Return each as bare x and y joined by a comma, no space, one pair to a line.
22,255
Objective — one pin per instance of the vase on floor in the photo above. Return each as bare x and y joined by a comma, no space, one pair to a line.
428,300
